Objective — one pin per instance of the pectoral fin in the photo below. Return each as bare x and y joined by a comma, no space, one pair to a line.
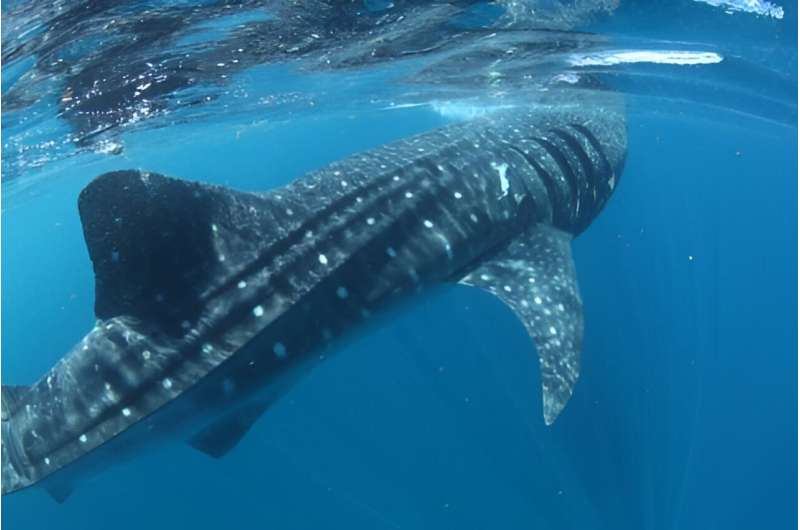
535,276
220,437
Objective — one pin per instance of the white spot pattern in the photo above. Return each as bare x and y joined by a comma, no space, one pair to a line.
501,173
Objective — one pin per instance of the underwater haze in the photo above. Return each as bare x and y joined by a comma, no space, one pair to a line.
685,412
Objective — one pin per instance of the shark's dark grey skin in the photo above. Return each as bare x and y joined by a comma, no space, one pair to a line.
222,298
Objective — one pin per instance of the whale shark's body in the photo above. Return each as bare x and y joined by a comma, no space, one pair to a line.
211,302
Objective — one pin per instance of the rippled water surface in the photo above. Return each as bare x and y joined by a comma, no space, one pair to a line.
79,76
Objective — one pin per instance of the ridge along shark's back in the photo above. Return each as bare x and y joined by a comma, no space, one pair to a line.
194,279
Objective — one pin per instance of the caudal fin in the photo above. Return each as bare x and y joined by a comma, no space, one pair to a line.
13,397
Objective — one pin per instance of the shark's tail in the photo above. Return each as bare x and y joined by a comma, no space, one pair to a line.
11,479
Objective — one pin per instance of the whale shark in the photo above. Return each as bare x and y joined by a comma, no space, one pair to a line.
211,303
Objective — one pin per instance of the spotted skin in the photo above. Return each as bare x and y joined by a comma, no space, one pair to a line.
223,298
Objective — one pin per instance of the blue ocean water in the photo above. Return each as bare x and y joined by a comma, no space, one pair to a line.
685,413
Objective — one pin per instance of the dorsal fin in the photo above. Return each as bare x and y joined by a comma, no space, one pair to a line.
158,243
12,396
535,276
149,239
